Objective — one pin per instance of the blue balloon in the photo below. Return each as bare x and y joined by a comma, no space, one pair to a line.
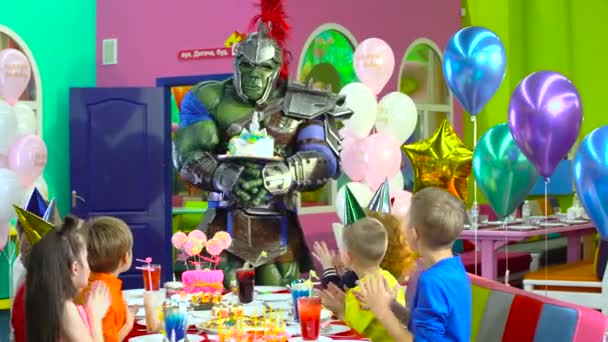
474,64
591,177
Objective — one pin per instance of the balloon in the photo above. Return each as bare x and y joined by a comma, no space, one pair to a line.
401,203
8,126
396,184
11,192
360,191
397,115
374,63
474,65
224,237
4,230
179,240
26,119
198,235
591,177
382,156
442,161
3,162
361,100
27,156
15,73
545,117
351,158
502,172
214,247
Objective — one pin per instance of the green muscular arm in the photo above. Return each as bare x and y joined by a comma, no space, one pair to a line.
194,147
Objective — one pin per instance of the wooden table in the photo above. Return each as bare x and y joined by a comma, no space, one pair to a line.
491,238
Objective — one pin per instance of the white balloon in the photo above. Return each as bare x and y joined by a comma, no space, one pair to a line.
11,193
337,228
361,192
8,126
26,119
397,115
397,183
361,100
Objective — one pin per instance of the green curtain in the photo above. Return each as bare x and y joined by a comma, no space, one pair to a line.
566,36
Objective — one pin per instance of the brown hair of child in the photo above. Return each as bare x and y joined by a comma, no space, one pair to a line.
366,240
399,258
437,216
108,240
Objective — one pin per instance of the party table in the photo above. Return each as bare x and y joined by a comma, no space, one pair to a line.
140,330
490,238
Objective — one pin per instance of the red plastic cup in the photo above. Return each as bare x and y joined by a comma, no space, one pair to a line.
245,279
309,310
151,277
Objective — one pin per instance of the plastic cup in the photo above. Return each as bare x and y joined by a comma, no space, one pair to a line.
245,279
153,302
298,290
309,309
176,322
151,277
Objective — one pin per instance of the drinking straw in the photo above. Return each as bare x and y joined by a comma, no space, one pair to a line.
148,261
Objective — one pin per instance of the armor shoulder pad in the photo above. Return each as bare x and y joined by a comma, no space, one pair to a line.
209,93
306,103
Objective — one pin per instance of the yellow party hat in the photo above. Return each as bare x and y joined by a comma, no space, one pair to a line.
34,227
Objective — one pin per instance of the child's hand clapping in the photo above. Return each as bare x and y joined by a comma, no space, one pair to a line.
323,255
376,287
98,301
333,299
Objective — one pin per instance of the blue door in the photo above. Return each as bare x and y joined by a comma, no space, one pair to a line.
121,166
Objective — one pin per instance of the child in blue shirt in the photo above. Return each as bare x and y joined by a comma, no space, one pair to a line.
441,310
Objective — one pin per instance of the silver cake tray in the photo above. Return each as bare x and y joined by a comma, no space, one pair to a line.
250,158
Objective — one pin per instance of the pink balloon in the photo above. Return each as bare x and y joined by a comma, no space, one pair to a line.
198,235
27,157
4,230
374,63
352,161
214,247
179,240
382,155
401,203
15,73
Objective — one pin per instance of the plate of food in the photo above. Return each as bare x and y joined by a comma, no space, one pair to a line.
575,221
213,325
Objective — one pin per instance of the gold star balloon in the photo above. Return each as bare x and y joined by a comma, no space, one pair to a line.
441,161
34,227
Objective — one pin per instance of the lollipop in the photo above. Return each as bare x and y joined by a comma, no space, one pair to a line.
224,237
193,246
214,247
199,235
179,240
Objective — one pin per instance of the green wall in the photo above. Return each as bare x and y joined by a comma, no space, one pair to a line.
562,35
61,36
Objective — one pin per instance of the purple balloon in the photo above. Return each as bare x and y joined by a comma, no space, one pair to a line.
545,117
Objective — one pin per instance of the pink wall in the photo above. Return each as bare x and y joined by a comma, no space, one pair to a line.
151,32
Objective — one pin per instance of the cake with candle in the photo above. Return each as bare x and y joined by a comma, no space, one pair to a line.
252,142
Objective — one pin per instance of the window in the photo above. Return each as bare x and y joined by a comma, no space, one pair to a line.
32,96
421,78
327,62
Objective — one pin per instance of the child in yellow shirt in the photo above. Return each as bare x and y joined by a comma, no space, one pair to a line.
365,243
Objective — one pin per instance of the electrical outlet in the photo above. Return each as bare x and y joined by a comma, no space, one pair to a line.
110,51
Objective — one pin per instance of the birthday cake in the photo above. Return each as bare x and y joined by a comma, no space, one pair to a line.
252,142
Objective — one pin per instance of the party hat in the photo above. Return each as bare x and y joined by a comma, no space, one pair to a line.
36,204
51,214
381,201
352,209
34,226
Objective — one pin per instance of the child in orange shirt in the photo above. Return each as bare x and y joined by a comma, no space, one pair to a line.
109,246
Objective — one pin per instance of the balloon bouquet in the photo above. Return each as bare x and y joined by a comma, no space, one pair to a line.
23,154
373,135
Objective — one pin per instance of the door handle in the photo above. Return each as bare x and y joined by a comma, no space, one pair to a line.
76,198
